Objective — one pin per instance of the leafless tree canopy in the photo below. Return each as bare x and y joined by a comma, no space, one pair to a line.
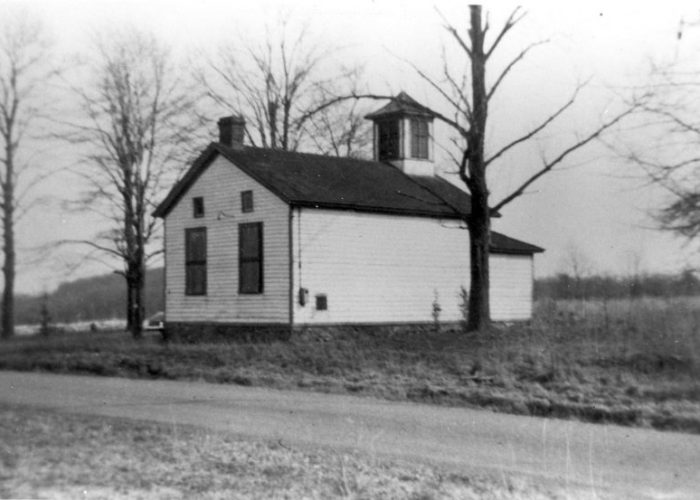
276,85
137,132
23,80
670,154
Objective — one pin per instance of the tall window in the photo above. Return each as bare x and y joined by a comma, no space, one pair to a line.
196,261
419,139
388,140
250,257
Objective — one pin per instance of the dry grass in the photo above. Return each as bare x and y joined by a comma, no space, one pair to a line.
51,455
628,362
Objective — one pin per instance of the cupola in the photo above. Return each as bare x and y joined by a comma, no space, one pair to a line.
403,132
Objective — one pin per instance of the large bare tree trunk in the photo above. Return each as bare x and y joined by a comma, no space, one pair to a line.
479,221
8,268
135,292
479,316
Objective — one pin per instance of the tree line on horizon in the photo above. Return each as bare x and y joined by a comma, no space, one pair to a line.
89,299
563,286
101,297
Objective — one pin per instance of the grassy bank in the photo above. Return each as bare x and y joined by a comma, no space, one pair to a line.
51,455
627,362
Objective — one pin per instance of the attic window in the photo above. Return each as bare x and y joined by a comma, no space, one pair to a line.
198,207
388,139
246,201
419,139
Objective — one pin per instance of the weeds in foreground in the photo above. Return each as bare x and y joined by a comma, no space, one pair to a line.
630,362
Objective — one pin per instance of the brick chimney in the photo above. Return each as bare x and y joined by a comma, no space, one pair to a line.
232,131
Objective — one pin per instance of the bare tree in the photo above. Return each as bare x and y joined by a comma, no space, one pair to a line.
341,131
23,81
670,153
468,97
276,84
137,131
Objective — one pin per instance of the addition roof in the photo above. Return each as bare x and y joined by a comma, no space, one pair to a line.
311,180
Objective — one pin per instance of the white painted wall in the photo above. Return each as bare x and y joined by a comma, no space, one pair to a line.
220,186
377,268
511,287
373,268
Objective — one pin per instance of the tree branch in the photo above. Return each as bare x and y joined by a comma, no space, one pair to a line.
549,165
537,129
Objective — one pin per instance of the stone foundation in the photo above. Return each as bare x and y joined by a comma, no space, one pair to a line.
237,332
224,332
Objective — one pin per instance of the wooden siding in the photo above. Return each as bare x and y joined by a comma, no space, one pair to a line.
377,268
511,287
220,185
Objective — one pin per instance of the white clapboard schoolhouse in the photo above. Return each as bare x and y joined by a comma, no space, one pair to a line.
265,238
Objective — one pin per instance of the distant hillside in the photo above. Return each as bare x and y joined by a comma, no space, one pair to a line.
97,297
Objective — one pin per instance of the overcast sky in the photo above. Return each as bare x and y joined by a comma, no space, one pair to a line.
596,204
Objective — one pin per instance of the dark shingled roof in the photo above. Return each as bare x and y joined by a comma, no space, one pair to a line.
303,179
402,104
500,243
310,180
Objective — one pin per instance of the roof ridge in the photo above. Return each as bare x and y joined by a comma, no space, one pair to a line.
301,153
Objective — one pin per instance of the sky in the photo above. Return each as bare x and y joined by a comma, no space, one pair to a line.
596,206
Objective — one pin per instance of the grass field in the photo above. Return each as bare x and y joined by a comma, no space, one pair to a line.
627,362
60,456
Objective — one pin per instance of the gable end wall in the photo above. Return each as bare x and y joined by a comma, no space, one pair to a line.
220,185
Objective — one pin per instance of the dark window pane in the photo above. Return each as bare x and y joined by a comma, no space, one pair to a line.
196,245
250,241
196,261
246,201
196,279
419,139
388,140
198,207
250,257
250,277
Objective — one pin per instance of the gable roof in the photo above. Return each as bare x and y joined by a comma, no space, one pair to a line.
311,180
402,104
303,179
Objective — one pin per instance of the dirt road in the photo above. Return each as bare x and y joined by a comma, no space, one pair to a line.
583,460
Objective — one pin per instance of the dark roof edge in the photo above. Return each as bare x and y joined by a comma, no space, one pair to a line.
250,173
508,245
198,166
513,251
184,183
374,210
437,195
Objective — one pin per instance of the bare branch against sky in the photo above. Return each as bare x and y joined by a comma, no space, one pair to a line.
274,83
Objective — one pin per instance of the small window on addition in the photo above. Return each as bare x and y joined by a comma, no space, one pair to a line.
321,302
246,201
198,207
